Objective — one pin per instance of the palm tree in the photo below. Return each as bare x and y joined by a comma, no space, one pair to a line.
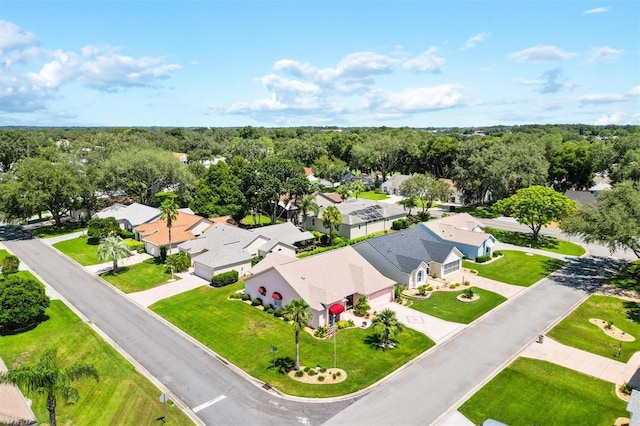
299,312
344,191
308,204
113,248
357,187
387,325
331,218
48,378
169,213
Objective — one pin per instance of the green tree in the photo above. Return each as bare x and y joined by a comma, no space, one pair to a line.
102,227
357,187
330,169
409,203
386,326
168,214
331,218
48,378
113,248
299,312
362,305
613,219
535,207
22,302
571,166
344,191
308,204
10,265
14,146
220,192
178,262
385,151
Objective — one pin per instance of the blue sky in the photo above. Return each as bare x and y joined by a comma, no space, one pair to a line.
344,63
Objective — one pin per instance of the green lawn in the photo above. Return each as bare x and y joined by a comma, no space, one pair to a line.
138,277
122,395
530,392
83,250
544,243
444,305
206,314
516,267
372,195
54,231
3,254
576,330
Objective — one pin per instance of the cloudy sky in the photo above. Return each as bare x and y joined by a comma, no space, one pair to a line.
346,63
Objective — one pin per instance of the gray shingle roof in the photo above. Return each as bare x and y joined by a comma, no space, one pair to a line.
136,213
355,211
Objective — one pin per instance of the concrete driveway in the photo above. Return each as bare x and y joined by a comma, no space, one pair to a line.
438,330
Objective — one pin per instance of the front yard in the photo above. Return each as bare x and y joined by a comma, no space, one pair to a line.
138,277
576,330
208,315
83,250
516,267
530,392
522,239
444,305
122,395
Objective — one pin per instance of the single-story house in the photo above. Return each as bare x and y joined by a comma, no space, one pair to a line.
185,227
223,247
582,198
392,185
181,156
360,217
464,232
130,216
368,180
324,199
633,407
456,195
408,256
329,282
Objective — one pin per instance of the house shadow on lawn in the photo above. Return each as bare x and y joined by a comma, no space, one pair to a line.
589,274
32,326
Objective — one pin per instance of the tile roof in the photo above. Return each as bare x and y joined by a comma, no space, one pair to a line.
182,229
324,278
14,408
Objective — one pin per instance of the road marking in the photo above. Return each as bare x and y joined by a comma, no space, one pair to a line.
208,403
304,420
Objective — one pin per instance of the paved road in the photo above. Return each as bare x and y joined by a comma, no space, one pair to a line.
421,394
188,371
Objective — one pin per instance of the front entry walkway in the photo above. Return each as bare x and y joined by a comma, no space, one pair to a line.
188,281
438,330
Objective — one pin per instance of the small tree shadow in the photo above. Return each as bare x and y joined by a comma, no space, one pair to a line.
375,342
553,265
282,364
627,278
632,309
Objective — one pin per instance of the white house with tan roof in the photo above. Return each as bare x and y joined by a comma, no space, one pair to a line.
464,232
329,282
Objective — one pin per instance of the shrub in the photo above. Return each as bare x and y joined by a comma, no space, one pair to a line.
423,289
321,331
321,378
334,375
323,370
10,265
467,294
224,279
256,260
483,258
236,296
338,373
270,310
362,306
312,373
134,245
256,302
466,282
497,253
398,289
307,369
403,223
339,241
342,324
299,373
180,262
278,313
626,388
23,302
102,227
245,296
163,253
324,239
124,234
423,216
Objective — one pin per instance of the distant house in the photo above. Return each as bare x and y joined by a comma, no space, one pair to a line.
456,195
392,185
330,283
181,156
588,197
324,199
223,247
360,217
407,257
464,232
129,216
185,227
368,180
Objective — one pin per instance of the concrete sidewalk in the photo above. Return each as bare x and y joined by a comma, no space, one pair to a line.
503,289
187,282
51,241
438,330
582,361
505,246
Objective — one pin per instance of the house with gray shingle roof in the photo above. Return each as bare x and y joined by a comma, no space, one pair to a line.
130,216
224,247
408,256
360,217
464,232
329,282
392,185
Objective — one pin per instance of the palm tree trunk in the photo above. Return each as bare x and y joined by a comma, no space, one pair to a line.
51,406
297,365
169,241
115,264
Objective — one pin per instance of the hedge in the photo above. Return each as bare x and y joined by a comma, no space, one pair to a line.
224,279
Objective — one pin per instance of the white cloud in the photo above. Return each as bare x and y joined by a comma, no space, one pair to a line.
44,71
552,81
596,10
423,99
604,54
616,117
474,40
609,98
427,61
541,53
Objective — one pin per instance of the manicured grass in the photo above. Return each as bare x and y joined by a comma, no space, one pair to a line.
83,250
372,195
444,305
250,220
138,277
122,395
530,392
516,267
54,231
206,314
628,277
576,330
3,254
544,243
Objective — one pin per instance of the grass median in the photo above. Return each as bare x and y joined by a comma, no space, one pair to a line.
244,335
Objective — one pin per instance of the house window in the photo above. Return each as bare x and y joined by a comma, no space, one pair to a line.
277,303
450,267
313,222
420,278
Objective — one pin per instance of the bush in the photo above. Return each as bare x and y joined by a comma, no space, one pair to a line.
299,373
321,378
10,265
256,260
497,253
307,369
180,262
483,258
224,279
23,302
362,306
338,374
256,302
270,310
345,324
626,388
467,294
237,296
398,289
312,373
399,224
278,313
321,331
102,227
124,234
323,370
163,253
134,245
423,216
334,375
245,297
